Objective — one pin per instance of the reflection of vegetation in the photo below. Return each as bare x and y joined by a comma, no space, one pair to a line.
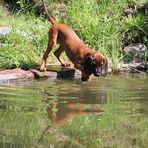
118,126
21,128
24,114
22,118
113,128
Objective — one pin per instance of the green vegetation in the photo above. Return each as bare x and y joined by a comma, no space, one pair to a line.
101,24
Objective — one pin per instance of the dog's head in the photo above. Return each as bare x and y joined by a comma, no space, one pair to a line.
96,64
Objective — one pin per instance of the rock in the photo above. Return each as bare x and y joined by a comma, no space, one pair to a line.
130,10
26,35
66,73
39,74
5,31
133,67
7,76
13,74
77,73
55,71
135,53
2,45
110,67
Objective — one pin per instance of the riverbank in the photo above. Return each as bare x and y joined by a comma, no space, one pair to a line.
56,71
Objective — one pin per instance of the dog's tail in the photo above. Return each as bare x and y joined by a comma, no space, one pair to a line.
47,13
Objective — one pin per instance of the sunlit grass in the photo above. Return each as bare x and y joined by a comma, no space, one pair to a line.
100,24
26,42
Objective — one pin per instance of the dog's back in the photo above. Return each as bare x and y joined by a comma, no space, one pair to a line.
66,33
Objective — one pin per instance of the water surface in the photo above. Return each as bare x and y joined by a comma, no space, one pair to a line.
106,112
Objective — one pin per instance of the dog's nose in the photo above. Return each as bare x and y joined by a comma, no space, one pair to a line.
97,74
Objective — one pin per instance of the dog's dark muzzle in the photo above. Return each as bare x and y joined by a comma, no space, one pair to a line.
97,72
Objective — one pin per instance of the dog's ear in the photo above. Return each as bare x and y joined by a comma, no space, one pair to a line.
88,61
105,67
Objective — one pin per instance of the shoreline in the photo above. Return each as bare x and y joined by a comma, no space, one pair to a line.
56,71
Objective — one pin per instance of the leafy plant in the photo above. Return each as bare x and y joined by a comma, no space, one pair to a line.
100,24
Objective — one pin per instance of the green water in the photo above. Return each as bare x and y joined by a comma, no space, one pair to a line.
106,112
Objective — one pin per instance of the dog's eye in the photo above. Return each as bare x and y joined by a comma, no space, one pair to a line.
94,65
99,65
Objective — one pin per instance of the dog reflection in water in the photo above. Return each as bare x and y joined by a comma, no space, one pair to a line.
61,114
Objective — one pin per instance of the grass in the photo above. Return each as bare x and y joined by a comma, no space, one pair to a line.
25,43
100,24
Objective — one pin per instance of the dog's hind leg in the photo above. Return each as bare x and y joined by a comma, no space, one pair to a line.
57,53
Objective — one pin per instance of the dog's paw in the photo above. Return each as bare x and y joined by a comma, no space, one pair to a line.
42,69
65,64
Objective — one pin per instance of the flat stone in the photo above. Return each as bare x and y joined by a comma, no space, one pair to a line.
39,74
56,71
65,72
13,74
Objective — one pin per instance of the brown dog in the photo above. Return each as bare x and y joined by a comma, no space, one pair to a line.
85,59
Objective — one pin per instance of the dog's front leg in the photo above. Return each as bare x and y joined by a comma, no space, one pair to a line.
51,43
45,56
85,77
